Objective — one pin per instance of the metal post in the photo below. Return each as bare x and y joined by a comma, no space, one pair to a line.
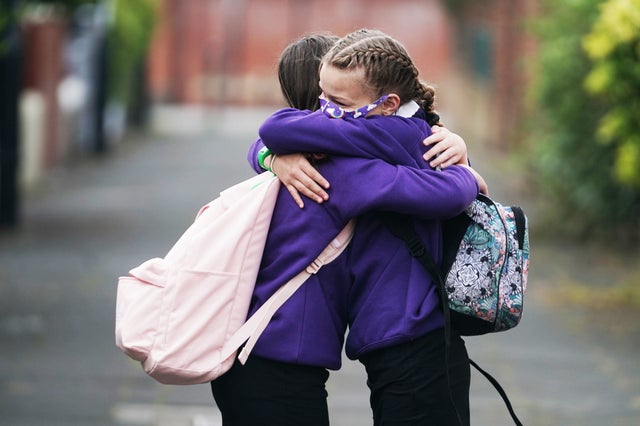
100,98
10,71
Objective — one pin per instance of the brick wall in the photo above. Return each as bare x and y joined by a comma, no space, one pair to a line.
225,52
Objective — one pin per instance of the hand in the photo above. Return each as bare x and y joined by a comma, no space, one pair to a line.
448,148
298,175
482,185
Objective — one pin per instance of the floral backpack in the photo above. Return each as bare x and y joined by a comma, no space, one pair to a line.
483,273
486,264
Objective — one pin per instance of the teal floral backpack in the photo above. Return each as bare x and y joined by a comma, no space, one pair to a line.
486,264
483,273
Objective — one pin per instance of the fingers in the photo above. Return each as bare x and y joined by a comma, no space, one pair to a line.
301,179
482,185
308,181
438,142
446,148
316,179
310,189
438,129
295,195
435,138
441,154
443,160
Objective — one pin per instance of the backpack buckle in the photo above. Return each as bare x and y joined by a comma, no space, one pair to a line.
314,266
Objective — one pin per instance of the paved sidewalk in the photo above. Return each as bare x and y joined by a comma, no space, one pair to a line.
93,221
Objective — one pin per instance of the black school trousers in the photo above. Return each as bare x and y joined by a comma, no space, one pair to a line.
270,393
409,385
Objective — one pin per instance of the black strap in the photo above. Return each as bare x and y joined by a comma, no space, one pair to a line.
521,223
402,227
500,390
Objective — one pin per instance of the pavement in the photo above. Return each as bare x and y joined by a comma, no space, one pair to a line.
95,218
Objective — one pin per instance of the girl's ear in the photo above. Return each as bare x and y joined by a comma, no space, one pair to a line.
390,105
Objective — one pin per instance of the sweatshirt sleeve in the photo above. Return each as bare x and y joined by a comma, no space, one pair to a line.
380,186
252,156
392,139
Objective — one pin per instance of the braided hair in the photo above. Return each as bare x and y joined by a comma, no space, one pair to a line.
388,68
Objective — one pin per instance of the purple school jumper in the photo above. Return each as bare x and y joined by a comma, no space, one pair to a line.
309,328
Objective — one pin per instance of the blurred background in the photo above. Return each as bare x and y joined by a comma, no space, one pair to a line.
103,101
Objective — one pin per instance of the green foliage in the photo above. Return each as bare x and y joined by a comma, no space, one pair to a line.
13,14
129,40
69,5
578,172
614,47
456,5
6,16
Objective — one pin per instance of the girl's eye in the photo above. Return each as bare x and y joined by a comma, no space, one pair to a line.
330,99
340,104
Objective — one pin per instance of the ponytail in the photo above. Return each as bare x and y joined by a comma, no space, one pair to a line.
426,98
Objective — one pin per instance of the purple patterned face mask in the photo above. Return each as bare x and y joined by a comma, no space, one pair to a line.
335,111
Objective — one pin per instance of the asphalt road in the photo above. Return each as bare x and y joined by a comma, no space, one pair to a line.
95,218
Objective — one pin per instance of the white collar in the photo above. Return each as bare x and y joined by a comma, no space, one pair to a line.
408,109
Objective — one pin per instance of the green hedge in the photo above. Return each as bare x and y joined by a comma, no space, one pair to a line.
613,46
129,39
585,133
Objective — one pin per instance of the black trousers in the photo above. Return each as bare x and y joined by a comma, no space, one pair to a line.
409,386
269,393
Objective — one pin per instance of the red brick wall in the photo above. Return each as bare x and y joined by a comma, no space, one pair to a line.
216,51
43,71
225,52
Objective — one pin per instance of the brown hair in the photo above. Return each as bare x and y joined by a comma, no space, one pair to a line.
298,70
387,65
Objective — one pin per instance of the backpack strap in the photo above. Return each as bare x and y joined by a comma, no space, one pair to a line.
521,224
254,326
500,390
402,227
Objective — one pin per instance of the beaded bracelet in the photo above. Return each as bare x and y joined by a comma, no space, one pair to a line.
271,166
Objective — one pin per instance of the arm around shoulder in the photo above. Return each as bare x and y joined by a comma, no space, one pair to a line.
387,138
424,193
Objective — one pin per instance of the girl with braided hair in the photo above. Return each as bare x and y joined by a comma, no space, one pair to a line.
395,322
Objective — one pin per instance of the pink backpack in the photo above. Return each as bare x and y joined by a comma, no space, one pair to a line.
183,316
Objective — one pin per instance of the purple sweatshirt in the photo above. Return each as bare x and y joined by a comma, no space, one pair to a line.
309,329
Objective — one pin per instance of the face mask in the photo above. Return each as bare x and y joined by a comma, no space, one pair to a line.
335,111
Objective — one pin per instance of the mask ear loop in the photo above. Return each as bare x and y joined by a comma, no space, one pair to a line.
373,105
